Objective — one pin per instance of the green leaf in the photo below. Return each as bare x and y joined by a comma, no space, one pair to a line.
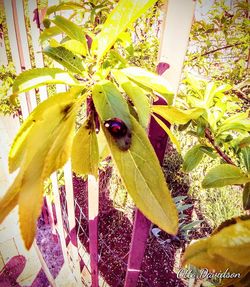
192,158
177,116
35,78
169,133
209,151
66,58
240,126
49,32
125,13
64,6
137,95
109,103
71,29
246,196
246,157
85,154
150,80
139,169
224,174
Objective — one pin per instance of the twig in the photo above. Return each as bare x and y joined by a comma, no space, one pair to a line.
218,49
219,151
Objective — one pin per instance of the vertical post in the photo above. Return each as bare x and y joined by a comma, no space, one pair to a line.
178,16
93,207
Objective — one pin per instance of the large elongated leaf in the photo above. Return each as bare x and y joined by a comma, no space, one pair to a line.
111,106
137,95
35,78
177,116
110,103
66,58
192,158
140,170
42,146
224,174
150,80
125,13
71,29
85,155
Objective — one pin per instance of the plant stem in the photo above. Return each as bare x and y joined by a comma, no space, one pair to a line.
218,49
225,157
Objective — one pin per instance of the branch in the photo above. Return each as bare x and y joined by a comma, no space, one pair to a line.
225,157
218,49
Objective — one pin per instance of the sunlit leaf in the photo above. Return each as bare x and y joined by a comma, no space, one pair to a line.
66,58
75,47
35,78
85,155
117,22
169,133
150,80
137,95
192,158
139,169
177,116
74,31
42,146
224,174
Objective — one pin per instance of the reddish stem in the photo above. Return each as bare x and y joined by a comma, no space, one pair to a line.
225,157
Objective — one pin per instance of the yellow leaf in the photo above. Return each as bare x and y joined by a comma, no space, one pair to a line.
233,243
42,146
177,116
197,254
30,200
143,178
169,133
85,155
10,199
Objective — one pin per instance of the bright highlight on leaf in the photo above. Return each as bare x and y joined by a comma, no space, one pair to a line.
139,169
177,116
35,78
151,81
42,145
117,22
